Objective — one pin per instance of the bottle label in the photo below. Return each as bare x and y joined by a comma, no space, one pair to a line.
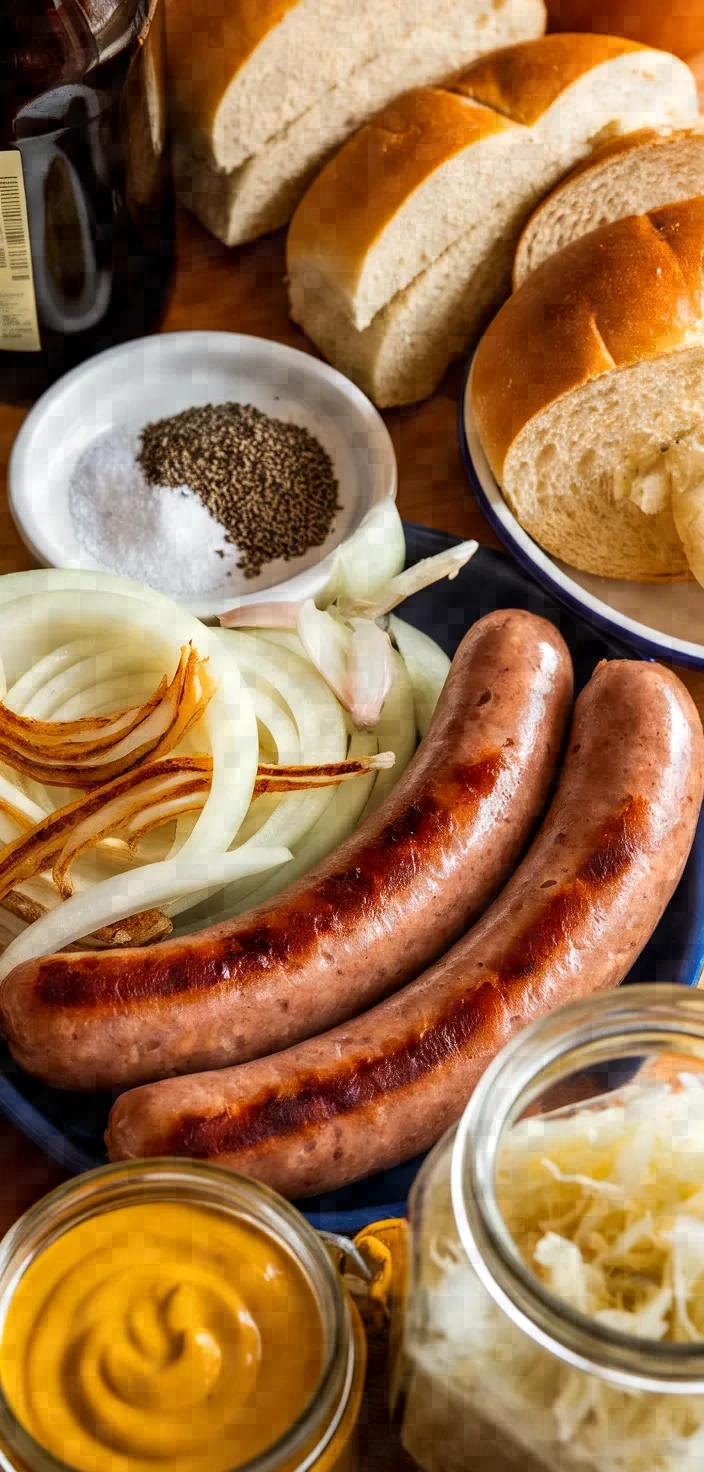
19,328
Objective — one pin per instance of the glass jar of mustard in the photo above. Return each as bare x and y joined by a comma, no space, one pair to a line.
169,1314
555,1313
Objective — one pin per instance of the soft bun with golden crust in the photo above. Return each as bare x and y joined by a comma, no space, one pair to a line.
588,389
404,243
627,176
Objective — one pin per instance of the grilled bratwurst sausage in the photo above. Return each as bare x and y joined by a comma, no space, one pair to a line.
571,921
369,918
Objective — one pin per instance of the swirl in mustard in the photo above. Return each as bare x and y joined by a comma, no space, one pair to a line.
161,1334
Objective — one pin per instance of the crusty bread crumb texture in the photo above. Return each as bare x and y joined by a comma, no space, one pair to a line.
587,395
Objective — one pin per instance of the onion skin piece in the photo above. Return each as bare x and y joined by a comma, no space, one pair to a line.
141,929
67,832
262,616
182,704
84,736
31,853
370,673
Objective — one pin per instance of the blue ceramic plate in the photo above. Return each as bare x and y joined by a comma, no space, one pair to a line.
70,1126
659,620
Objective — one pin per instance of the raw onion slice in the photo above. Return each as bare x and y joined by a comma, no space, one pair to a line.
356,661
114,899
430,570
21,696
11,793
186,779
427,665
137,930
396,730
62,605
339,820
320,724
19,817
142,800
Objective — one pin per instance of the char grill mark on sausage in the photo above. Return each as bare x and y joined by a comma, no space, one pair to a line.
316,1099
622,840
390,866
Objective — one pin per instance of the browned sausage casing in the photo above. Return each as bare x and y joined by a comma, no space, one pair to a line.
571,921
369,918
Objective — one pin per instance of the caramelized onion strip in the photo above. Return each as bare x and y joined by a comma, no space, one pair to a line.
81,737
182,703
37,850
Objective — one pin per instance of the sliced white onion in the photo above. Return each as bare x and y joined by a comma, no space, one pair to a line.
327,643
428,667
322,736
271,700
278,727
370,672
111,685
339,820
317,715
285,640
84,677
130,894
11,793
370,557
160,628
395,732
421,575
355,660
19,697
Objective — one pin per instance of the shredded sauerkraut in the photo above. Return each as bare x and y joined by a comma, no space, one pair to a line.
606,1205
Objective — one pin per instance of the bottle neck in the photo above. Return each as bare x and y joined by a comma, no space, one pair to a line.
571,1061
44,46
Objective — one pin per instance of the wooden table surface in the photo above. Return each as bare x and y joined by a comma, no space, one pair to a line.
243,291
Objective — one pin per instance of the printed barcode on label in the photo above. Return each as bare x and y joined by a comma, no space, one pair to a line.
13,229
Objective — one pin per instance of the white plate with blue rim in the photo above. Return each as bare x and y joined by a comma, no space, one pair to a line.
151,378
659,620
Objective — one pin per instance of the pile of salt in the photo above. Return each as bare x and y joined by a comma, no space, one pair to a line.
159,535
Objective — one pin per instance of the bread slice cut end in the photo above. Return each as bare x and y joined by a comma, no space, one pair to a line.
579,474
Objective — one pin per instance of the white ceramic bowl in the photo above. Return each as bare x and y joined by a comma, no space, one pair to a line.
660,620
155,377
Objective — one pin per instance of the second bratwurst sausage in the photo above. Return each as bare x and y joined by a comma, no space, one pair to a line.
365,921
571,921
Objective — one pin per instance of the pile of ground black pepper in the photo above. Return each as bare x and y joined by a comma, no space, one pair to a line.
270,484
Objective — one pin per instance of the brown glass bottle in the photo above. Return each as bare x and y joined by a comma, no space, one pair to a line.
86,201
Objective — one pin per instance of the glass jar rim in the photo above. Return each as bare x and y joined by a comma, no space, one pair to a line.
632,1021
222,1190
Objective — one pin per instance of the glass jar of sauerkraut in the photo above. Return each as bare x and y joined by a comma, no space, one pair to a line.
555,1313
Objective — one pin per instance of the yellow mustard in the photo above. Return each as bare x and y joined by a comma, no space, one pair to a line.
161,1333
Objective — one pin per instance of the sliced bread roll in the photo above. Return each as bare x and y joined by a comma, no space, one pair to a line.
588,397
405,241
268,89
627,176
